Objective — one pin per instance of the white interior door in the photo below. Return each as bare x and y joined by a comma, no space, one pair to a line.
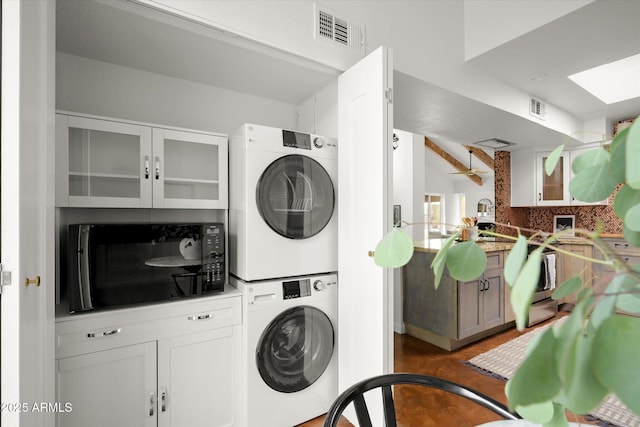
27,214
365,111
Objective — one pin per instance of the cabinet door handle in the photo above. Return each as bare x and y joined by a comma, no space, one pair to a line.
201,316
481,285
539,197
488,284
157,167
152,403
146,167
104,334
163,399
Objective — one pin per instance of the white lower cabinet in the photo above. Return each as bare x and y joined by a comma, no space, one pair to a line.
195,379
108,388
178,370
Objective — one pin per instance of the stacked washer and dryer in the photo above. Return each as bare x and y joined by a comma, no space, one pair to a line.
283,238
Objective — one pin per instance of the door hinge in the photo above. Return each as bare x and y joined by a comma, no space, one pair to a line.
5,278
388,95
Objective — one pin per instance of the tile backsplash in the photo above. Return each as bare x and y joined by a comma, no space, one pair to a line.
541,218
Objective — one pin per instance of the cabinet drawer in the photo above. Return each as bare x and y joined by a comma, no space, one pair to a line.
621,247
495,260
95,333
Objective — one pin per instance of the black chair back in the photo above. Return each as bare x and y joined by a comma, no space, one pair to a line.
355,394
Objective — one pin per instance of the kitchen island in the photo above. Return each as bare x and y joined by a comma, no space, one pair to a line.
457,313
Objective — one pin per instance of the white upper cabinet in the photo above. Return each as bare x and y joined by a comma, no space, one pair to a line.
108,163
189,170
553,190
531,186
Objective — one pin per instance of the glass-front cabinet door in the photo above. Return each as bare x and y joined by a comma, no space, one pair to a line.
101,163
189,170
553,190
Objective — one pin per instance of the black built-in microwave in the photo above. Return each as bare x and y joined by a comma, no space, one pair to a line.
111,265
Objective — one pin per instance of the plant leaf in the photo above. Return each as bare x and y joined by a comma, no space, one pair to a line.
583,392
625,199
515,260
614,359
466,261
439,260
539,413
632,218
523,288
552,160
535,380
568,287
559,417
617,153
394,250
633,237
629,297
592,184
590,158
632,156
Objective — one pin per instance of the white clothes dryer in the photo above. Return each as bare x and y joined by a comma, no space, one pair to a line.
282,210
289,349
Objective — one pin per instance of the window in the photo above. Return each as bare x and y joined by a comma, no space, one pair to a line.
433,215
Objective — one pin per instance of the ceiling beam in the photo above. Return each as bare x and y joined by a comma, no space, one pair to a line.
459,166
481,155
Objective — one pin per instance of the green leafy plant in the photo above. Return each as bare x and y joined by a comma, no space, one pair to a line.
575,365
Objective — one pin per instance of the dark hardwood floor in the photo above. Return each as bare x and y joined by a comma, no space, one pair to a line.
429,407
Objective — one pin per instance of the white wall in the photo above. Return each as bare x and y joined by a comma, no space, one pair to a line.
93,87
437,181
319,113
484,20
285,25
408,192
399,25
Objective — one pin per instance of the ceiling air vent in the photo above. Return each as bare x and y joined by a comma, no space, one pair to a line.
537,108
339,30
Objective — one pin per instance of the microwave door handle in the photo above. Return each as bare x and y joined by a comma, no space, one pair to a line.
84,287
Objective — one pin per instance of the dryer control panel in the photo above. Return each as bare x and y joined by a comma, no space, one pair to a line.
296,139
296,289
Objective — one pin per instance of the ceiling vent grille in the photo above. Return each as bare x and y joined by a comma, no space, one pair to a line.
537,108
342,31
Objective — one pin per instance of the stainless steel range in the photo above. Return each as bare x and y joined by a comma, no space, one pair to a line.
543,307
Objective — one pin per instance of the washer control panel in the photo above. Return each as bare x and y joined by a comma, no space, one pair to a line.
296,288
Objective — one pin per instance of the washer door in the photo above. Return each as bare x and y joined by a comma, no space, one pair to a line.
295,196
295,349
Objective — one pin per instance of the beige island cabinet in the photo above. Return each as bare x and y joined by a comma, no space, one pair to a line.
457,313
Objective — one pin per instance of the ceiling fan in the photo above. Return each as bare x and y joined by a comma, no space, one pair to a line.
470,171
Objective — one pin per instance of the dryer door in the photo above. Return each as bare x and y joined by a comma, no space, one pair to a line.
295,349
295,196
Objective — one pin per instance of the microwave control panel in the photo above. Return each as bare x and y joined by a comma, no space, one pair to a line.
213,257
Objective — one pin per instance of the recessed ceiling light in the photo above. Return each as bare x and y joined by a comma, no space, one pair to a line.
613,82
494,143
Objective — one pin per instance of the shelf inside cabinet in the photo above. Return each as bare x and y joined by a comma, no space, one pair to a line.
103,175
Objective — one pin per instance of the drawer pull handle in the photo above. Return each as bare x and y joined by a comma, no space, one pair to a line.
201,316
104,334
621,245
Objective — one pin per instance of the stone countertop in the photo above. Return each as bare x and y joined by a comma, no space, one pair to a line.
434,245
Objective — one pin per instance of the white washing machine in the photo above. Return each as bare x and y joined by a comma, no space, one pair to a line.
289,356
282,210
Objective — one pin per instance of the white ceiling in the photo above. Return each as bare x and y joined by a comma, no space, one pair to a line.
135,36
